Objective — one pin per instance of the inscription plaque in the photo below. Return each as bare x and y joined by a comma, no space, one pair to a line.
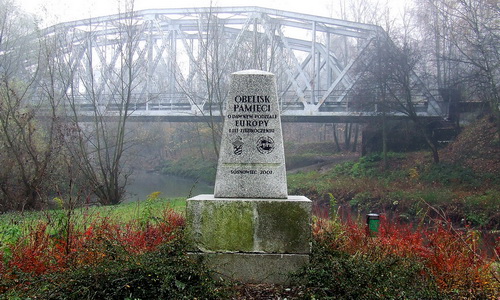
252,160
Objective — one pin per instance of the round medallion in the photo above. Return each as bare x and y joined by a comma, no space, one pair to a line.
265,145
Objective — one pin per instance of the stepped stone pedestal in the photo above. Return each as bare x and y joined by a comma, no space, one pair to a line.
250,230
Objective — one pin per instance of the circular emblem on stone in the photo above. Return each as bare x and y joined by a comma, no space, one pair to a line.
265,145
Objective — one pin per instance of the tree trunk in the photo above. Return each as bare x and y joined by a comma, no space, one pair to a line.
347,136
356,135
336,138
430,143
384,141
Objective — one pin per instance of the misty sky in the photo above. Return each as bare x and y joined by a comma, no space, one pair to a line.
55,11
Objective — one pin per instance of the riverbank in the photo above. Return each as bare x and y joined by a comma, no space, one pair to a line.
464,187
298,158
325,163
146,258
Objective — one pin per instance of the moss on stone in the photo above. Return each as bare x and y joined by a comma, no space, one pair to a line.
284,227
227,226
248,225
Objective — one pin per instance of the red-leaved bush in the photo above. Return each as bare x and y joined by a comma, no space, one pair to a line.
40,252
453,258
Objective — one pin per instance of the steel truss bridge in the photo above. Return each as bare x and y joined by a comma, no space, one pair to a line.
176,62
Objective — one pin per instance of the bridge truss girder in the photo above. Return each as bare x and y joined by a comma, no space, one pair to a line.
180,59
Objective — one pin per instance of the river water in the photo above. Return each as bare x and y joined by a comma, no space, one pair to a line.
142,183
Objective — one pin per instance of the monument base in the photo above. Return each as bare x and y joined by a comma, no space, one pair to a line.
254,267
251,240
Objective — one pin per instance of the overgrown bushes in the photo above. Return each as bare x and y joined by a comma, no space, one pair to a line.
337,275
400,262
141,259
409,188
166,273
480,209
147,259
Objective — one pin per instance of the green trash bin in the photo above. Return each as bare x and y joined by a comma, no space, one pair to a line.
372,223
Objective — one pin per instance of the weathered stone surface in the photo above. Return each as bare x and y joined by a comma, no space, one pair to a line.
254,267
252,160
250,229
250,225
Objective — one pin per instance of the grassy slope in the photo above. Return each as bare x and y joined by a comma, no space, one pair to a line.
15,225
464,187
477,147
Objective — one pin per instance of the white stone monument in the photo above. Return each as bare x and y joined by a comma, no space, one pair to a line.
250,230
252,157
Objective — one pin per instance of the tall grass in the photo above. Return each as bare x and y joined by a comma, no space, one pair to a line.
16,224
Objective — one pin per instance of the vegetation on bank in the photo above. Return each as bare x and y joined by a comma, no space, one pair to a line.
204,168
138,250
464,187
105,260
412,192
200,169
146,258
131,251
16,225
399,262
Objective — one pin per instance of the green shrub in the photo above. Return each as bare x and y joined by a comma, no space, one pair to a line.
451,174
304,183
319,187
435,197
366,166
337,275
168,273
343,169
361,200
482,210
395,175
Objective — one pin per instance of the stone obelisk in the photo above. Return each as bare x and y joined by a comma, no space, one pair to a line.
252,158
250,230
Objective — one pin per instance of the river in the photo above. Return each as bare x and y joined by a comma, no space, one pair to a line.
142,183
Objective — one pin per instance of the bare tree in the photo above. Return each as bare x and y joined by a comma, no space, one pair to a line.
100,142
370,12
214,75
29,142
466,36
390,84
217,52
208,68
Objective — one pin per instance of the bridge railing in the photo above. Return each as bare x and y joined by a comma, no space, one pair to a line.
180,104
